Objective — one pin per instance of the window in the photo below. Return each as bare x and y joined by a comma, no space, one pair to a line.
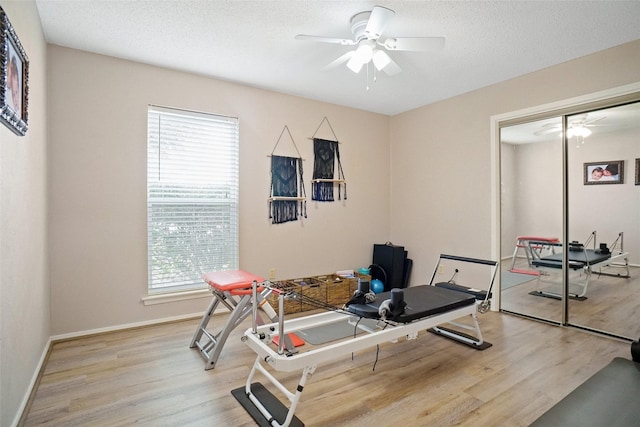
192,197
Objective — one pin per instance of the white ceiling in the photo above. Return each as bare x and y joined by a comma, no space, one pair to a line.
251,42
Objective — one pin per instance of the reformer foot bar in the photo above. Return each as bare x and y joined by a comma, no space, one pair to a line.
426,307
483,296
234,289
582,262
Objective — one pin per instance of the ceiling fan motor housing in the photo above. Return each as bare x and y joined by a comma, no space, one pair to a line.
359,24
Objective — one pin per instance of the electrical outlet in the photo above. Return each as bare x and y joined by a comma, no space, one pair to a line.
272,273
440,269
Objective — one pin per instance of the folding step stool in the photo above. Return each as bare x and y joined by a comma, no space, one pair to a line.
522,242
232,288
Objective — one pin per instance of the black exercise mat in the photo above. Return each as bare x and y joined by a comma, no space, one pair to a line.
609,398
510,279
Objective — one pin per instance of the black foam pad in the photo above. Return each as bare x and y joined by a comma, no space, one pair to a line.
608,398
422,301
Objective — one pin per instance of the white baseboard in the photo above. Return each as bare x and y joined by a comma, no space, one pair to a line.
32,383
78,334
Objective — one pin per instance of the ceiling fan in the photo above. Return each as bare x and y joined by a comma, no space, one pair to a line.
577,126
368,28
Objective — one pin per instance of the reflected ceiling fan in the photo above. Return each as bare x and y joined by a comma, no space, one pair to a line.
371,45
577,126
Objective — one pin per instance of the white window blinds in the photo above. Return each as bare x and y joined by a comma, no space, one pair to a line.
192,197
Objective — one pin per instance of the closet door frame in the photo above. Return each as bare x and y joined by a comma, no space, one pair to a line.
602,99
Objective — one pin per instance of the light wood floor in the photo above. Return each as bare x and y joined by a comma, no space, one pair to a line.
150,377
612,304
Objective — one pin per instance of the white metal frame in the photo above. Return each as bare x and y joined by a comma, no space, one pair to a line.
259,339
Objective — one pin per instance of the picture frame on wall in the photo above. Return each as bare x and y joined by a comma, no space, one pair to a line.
14,78
637,171
605,172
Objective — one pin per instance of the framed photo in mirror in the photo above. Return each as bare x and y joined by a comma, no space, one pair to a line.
605,172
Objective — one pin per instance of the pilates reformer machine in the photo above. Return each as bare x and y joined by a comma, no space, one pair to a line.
583,262
400,313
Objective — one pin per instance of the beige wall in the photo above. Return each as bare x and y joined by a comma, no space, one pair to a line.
24,274
98,184
536,188
441,155
420,179
607,209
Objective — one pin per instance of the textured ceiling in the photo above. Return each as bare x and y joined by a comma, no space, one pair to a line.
252,42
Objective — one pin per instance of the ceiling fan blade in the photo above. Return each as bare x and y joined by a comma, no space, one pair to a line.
548,131
392,69
383,62
339,61
378,21
578,118
321,39
592,121
419,44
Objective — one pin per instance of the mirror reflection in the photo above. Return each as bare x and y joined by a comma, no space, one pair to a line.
604,216
531,200
603,211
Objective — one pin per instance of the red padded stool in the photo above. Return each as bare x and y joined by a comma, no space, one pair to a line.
522,242
232,288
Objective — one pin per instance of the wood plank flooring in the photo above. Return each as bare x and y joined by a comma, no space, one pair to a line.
150,377
612,304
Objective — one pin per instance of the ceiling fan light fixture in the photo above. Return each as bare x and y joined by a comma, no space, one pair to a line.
368,29
578,131
354,64
364,52
361,56
380,59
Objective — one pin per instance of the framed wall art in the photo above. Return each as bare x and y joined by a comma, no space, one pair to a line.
637,171
14,78
611,172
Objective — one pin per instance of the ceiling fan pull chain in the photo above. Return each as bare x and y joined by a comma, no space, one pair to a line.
367,77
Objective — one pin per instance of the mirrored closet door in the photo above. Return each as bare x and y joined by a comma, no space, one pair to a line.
531,215
603,148
595,188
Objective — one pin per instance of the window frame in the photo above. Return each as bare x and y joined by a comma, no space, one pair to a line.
204,199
